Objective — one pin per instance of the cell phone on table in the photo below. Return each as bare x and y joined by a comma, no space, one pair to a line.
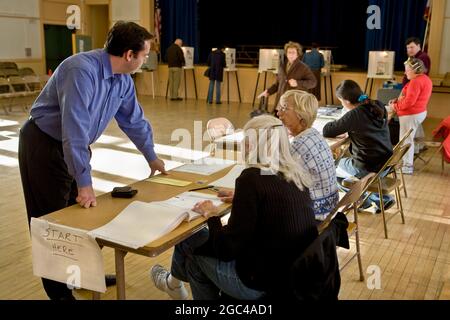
123,192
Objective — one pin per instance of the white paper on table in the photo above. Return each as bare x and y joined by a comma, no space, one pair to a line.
229,180
187,200
66,255
206,166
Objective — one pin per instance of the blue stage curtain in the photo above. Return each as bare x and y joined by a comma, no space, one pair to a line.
400,19
179,20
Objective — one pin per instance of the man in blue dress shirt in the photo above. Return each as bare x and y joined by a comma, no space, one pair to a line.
85,92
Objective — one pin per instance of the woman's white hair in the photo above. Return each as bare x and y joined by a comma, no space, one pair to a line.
268,149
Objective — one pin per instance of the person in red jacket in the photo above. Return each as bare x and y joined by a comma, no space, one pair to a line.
411,106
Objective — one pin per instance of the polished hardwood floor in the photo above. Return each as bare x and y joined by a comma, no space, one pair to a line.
414,262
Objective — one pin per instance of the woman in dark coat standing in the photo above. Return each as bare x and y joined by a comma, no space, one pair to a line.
216,63
292,74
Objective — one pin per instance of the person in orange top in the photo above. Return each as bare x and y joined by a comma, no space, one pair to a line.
411,106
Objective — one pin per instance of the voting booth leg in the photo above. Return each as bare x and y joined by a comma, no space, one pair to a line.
195,84
256,88
120,273
167,87
228,87
239,90
331,89
326,89
185,84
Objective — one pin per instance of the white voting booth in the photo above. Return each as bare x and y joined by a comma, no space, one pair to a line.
269,60
230,57
188,53
381,66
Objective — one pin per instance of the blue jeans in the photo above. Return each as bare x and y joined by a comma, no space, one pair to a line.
347,165
208,276
211,90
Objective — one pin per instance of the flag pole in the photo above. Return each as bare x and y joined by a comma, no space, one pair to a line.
427,28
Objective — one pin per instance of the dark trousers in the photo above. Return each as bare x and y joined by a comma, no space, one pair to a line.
47,185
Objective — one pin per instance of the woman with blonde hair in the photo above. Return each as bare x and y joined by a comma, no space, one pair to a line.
411,107
271,223
298,111
292,73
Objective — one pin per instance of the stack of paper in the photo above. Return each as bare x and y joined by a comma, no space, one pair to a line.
229,180
206,166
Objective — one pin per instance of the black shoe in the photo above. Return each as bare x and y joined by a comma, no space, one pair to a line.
387,205
110,280
173,99
219,102
179,99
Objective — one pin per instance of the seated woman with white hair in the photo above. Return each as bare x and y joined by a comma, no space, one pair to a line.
270,225
298,111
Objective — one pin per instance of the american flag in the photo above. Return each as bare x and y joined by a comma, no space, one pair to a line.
427,13
157,25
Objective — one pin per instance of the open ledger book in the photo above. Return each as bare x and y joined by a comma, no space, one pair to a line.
143,222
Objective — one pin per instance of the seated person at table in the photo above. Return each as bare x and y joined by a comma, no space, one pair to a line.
298,111
367,126
271,223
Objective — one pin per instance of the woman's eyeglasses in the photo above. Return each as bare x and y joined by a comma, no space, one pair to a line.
281,107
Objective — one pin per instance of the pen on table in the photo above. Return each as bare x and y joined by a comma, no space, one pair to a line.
204,188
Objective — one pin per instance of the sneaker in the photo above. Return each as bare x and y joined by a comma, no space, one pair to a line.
159,277
408,170
387,205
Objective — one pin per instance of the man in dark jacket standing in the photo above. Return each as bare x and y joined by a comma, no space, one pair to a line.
175,60
216,63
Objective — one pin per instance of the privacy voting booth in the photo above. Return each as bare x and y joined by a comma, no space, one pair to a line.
188,53
269,61
381,66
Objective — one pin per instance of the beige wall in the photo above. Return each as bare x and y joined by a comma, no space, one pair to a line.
98,22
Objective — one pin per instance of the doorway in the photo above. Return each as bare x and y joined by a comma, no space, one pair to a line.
58,45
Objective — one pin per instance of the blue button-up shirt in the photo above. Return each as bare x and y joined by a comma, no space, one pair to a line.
79,101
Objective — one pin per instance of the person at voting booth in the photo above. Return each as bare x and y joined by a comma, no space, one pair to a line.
315,61
83,95
411,106
175,60
216,64
271,223
292,73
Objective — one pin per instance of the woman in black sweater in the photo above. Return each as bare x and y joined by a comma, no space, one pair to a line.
271,223
367,126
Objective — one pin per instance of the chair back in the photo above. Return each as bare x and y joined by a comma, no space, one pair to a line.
352,197
402,140
397,156
219,127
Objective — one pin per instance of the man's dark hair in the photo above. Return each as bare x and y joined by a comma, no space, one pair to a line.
413,39
315,45
125,36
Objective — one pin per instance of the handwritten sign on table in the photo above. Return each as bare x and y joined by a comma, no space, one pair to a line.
66,255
